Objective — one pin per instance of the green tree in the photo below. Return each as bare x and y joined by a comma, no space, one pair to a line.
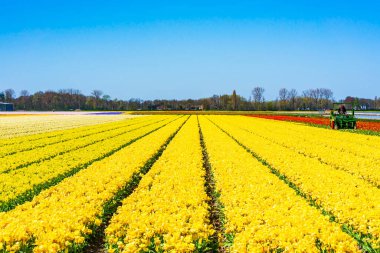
234,101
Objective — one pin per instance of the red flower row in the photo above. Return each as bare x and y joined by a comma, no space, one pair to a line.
366,125
318,121
372,126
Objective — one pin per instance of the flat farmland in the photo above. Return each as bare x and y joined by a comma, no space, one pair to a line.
185,183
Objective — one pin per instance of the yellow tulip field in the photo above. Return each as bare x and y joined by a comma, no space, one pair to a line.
185,183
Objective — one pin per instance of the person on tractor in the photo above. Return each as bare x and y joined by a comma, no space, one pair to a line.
342,110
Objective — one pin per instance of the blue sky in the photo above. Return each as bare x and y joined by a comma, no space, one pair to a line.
190,49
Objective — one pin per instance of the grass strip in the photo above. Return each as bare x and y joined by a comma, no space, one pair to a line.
217,218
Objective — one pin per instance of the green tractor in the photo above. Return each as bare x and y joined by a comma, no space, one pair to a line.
340,119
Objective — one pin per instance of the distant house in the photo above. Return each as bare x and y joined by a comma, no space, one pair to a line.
162,108
196,108
6,107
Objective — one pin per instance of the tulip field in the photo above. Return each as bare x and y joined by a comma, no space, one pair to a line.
186,183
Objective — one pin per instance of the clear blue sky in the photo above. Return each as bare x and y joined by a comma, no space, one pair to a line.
190,49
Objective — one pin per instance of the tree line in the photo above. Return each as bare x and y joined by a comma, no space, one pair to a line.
287,99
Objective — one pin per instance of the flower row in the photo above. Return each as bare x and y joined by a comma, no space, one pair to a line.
29,142
25,125
350,200
74,143
62,217
309,120
356,154
168,211
262,213
26,181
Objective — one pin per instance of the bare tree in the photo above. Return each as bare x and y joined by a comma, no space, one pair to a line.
315,96
326,96
326,93
97,93
78,97
292,95
258,97
283,96
24,100
9,94
24,93
319,98
215,102
307,99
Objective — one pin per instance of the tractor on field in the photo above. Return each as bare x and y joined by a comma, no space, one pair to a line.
340,119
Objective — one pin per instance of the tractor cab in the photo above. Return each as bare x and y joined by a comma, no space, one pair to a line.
340,118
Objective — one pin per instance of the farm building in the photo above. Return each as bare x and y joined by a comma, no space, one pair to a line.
6,106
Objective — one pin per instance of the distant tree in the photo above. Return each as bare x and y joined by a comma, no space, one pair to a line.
349,99
316,99
9,95
97,93
69,99
78,98
37,101
326,97
225,102
292,95
106,97
215,102
206,102
24,100
362,103
283,94
315,96
258,97
134,104
282,97
96,101
24,93
326,93
271,105
356,103
234,101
